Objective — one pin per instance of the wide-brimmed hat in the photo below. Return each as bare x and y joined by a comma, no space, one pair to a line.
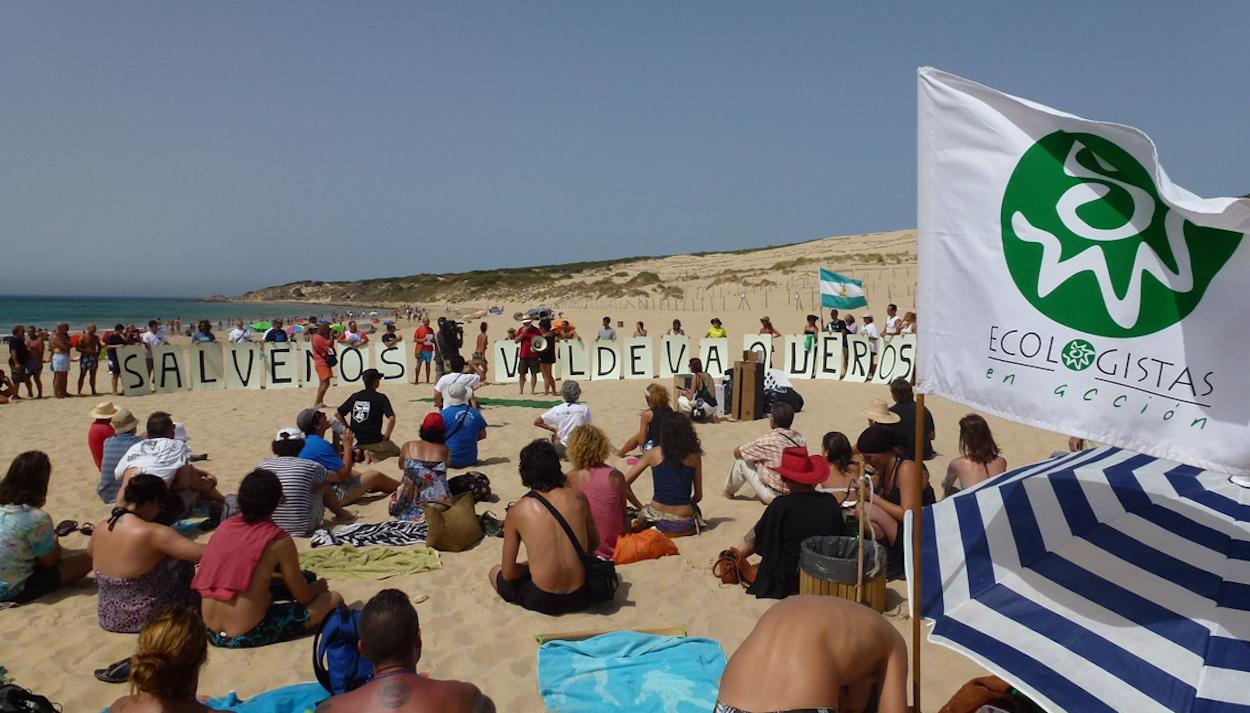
878,412
124,421
104,409
456,394
801,467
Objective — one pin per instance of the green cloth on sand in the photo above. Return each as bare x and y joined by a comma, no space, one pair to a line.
520,403
347,562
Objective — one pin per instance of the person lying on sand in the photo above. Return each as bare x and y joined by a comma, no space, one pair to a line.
553,580
814,653
237,570
390,638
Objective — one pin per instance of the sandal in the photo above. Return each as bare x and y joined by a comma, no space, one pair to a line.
726,567
64,527
117,672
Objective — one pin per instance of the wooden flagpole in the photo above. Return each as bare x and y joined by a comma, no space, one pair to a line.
922,429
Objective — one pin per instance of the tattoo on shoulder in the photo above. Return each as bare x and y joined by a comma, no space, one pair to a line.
394,694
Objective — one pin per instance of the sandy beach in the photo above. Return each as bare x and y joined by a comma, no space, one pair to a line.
53,644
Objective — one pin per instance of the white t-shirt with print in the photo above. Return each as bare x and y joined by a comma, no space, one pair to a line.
565,417
469,380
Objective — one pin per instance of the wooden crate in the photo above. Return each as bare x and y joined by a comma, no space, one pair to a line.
874,589
748,388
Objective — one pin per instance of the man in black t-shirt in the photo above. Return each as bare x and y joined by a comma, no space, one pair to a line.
363,413
114,340
905,429
18,356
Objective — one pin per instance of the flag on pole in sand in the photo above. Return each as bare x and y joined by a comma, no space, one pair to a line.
840,292
1066,283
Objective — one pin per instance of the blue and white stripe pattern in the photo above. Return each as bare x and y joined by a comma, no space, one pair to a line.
1103,580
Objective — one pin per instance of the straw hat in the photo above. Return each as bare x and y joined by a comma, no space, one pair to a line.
878,412
104,409
124,422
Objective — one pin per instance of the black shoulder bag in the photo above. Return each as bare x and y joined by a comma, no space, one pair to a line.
601,579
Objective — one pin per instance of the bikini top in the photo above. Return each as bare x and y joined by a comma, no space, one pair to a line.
116,515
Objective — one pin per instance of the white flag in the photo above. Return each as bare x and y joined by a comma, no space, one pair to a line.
1066,283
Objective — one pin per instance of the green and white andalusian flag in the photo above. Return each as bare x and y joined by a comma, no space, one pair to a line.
840,292
1066,283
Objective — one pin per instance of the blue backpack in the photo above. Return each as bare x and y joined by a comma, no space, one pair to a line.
336,655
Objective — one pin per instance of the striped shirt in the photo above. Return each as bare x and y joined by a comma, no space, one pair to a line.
302,508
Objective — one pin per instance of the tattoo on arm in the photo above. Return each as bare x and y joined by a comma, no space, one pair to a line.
394,694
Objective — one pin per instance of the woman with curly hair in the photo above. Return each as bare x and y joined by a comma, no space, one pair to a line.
677,473
648,435
32,563
979,456
603,485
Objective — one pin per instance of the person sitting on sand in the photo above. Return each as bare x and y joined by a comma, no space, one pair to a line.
562,419
757,461
424,463
979,458
141,567
306,491
844,470
465,426
8,389
239,564
895,484
165,671
363,413
101,430
390,638
789,519
677,475
115,447
553,580
698,402
164,455
676,330
461,373
648,435
838,655
905,427
716,330
32,562
603,485
347,485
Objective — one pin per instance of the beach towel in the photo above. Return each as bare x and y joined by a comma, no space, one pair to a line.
296,698
627,671
518,403
347,562
360,534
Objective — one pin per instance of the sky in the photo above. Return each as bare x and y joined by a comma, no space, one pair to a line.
195,148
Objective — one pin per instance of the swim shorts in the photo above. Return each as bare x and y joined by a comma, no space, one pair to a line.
524,593
479,359
283,622
44,580
88,361
34,366
60,362
347,488
528,365
425,356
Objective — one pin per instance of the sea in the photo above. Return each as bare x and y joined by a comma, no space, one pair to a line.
105,312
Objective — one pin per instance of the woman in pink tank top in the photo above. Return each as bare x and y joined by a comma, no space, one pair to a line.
603,485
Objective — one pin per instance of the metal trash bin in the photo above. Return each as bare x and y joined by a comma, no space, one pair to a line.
828,566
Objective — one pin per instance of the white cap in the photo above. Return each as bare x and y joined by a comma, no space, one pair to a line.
289,434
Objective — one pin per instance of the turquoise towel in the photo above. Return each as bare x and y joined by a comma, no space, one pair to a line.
296,698
629,672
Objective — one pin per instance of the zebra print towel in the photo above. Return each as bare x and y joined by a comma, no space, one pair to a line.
360,534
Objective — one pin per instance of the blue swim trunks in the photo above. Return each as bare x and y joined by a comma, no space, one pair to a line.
60,362
426,357
283,622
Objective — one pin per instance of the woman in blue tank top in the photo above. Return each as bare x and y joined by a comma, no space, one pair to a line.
677,474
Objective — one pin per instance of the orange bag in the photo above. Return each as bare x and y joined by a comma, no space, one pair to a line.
649,544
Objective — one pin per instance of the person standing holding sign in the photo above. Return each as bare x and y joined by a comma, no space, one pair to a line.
275,333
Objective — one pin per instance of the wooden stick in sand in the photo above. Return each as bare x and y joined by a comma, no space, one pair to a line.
916,523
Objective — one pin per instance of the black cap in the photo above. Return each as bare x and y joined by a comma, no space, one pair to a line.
370,375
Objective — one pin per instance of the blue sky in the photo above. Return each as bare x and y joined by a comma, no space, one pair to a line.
193,148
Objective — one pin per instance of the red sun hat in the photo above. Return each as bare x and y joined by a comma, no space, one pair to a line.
433,421
798,466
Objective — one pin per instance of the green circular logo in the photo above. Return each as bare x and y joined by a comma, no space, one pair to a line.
1090,244
1078,355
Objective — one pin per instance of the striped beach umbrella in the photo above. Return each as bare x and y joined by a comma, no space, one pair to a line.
1099,581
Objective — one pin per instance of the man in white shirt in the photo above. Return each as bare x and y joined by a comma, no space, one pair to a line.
152,338
167,457
459,374
240,333
891,320
870,330
606,333
562,419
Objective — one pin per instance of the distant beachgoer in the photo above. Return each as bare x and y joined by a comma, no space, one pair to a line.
716,330
892,321
834,325
165,671
32,562
465,426
789,519
390,337
19,355
203,333
390,638
839,655
322,347
648,435
352,336
34,360
908,325
677,476
448,341
979,456
699,401
241,333
238,566
905,427
766,327
275,333
851,326
113,341
606,332
757,461
527,356
460,373
676,330
547,357
811,331
8,389
423,339
479,352
347,485
562,419
870,330
553,580
363,413
152,338
604,486
424,464
88,358
141,567
895,484
101,429
59,345
639,330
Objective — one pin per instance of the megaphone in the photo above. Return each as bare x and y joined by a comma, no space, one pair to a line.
539,344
